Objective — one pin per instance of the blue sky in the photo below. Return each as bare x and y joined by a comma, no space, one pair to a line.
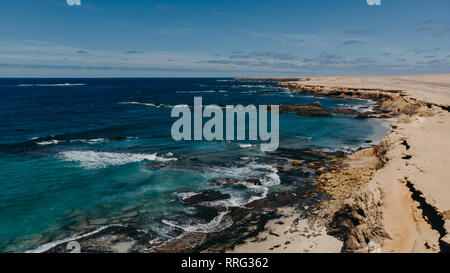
145,38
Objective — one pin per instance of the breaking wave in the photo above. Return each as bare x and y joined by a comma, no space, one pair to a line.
157,105
50,245
217,224
98,160
49,142
51,85
244,146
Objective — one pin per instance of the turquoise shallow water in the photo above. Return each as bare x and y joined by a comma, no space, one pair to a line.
79,154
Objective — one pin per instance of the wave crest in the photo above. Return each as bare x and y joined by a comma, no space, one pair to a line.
51,85
98,160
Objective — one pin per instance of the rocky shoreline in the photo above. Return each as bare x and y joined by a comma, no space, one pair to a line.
359,208
237,224
363,202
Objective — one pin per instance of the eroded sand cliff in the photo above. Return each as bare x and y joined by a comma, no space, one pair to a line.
394,197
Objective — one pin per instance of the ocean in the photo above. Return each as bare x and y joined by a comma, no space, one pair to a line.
78,155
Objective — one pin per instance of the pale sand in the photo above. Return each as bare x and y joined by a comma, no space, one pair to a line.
289,234
433,88
428,170
426,165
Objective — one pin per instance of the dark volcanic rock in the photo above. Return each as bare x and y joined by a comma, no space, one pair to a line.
273,201
296,177
207,213
318,154
206,196
313,113
253,181
315,109
365,115
345,111
105,240
181,245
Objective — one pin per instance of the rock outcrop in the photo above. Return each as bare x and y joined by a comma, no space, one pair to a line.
358,207
314,109
253,181
391,103
206,196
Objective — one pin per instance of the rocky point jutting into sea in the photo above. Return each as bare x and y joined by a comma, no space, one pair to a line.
392,197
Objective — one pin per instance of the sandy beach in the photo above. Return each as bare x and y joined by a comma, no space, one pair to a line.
393,197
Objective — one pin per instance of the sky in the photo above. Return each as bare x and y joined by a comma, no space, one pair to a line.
222,38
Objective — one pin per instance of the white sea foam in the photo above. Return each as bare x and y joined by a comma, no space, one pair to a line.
197,91
268,147
244,146
368,106
50,245
303,137
52,85
96,140
143,103
231,202
49,142
346,149
185,195
90,141
97,160
267,174
248,86
215,225
271,177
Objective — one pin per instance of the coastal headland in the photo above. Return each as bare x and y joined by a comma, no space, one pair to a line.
393,197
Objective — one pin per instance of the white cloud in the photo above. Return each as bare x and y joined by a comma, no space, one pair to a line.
74,2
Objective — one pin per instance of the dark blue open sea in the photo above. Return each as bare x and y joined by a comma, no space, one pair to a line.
77,155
